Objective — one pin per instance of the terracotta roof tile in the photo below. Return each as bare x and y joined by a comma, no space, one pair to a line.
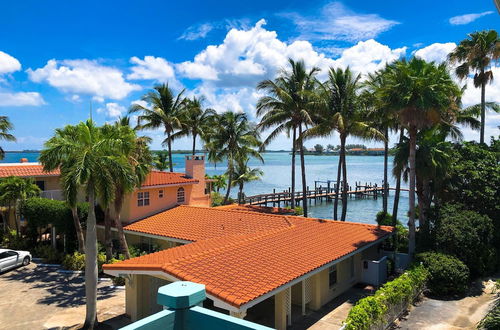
193,223
159,178
25,170
255,253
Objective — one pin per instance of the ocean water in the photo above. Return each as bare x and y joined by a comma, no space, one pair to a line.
277,175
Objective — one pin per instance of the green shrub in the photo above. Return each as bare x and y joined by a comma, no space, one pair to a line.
76,261
118,281
447,274
218,199
137,250
466,235
385,219
10,240
48,254
371,310
492,319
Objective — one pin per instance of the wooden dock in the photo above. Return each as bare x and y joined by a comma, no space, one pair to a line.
320,193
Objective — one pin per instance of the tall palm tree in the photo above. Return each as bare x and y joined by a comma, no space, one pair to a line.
421,94
342,112
139,158
235,138
88,159
475,54
164,110
218,182
382,118
5,127
397,189
287,108
244,174
195,120
13,191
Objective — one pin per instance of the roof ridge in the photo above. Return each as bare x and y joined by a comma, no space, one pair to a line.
232,210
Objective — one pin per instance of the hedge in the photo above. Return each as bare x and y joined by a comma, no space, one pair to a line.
76,261
376,309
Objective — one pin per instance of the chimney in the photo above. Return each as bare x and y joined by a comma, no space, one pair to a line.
195,168
23,160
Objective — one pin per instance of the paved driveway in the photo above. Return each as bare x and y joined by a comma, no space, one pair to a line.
38,297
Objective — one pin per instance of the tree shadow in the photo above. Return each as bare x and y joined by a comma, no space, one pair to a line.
62,290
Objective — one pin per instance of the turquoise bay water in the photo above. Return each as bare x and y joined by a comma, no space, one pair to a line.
277,174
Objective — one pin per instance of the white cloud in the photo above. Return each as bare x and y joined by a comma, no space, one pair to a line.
84,77
336,22
112,110
368,56
197,31
8,99
468,18
151,68
8,64
437,52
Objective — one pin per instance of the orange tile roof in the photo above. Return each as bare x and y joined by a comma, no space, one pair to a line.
159,178
25,170
193,223
257,208
240,267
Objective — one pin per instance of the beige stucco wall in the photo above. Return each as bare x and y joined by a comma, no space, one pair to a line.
140,295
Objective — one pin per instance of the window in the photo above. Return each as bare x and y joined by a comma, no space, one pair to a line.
160,194
143,198
41,185
351,261
332,275
181,197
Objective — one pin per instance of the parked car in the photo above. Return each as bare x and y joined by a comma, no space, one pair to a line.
10,259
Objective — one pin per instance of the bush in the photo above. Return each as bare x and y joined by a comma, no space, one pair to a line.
118,281
373,310
466,235
48,254
137,250
492,320
218,199
447,274
76,261
385,219
10,240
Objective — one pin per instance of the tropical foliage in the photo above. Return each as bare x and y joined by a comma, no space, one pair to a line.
5,127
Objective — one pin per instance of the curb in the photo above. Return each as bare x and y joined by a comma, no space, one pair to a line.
48,265
65,271
117,287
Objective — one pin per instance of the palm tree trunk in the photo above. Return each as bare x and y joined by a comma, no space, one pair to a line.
483,108
119,226
78,228
229,181
303,170
169,144
337,189
194,143
91,264
344,179
108,243
398,187
240,194
16,219
386,158
411,222
294,149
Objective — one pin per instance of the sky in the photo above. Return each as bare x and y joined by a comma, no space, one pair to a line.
59,59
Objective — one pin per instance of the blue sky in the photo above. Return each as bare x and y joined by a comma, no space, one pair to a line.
57,57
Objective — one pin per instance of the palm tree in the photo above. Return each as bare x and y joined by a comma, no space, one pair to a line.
164,111
421,94
5,127
195,120
13,191
381,118
88,159
397,190
342,111
244,174
287,108
218,182
476,53
139,158
234,138
160,160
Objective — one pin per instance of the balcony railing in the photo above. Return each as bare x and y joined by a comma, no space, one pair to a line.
53,194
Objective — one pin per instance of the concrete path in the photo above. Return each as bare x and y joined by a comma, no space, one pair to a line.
37,297
462,313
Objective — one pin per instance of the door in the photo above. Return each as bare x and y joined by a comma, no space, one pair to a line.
8,259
